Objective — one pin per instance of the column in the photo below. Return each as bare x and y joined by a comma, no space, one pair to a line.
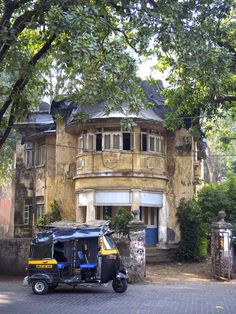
80,213
162,223
135,200
90,213
137,259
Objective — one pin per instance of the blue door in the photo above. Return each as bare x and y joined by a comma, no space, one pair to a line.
149,215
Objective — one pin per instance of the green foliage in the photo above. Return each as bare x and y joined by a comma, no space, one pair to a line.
6,160
215,197
221,135
193,231
195,217
52,216
122,218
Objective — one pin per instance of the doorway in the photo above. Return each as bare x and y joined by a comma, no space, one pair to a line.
149,215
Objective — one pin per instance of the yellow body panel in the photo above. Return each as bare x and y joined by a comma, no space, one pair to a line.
104,251
42,262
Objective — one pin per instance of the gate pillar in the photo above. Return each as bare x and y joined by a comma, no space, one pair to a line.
221,253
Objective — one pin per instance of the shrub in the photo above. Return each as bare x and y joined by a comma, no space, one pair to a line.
121,220
53,215
193,231
195,217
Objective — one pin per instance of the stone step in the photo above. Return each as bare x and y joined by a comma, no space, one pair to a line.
155,255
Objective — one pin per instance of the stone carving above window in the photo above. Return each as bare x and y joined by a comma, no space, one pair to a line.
155,163
110,159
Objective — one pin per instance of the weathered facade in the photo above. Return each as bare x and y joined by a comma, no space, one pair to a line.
6,211
94,169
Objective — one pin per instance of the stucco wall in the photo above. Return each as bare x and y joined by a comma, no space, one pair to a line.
13,256
180,176
64,190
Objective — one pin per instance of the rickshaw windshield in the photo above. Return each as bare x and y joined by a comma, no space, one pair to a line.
109,244
40,251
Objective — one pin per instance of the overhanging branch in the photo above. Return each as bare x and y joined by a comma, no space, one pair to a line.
20,84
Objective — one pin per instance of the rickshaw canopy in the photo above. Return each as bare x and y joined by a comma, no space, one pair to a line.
65,231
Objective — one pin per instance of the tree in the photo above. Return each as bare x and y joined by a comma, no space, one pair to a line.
85,40
87,43
197,43
221,135
83,43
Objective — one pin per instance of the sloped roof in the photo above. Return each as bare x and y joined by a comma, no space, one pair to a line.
68,109
39,122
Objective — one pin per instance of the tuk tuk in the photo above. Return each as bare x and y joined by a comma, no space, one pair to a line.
75,254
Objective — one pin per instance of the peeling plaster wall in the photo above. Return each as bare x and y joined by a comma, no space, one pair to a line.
24,187
65,158
180,174
50,171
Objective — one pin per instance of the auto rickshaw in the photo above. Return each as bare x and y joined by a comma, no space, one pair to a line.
75,254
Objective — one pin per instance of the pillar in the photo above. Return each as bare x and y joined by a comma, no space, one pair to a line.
90,213
221,252
162,223
135,200
137,265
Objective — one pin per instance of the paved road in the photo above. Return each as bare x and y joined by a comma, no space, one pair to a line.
176,298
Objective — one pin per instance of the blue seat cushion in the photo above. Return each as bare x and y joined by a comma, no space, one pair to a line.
62,265
83,266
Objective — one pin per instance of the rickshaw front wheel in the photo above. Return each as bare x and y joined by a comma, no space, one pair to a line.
39,286
119,285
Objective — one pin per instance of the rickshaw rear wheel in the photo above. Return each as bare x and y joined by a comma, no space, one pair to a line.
39,286
119,285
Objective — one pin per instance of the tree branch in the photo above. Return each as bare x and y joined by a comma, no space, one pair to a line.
23,80
10,124
21,22
218,100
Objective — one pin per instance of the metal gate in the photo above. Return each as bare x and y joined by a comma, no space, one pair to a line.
221,253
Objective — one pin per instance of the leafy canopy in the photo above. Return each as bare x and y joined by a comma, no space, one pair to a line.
87,45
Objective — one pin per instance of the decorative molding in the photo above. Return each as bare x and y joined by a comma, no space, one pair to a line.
156,163
80,163
110,159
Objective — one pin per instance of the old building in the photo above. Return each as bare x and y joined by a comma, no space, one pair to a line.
94,169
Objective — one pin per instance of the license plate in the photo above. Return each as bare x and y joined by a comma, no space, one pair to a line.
43,266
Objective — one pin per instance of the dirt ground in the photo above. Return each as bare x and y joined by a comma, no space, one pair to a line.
173,272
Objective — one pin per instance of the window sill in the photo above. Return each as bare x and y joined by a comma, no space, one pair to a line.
40,166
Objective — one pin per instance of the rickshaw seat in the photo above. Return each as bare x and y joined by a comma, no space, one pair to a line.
85,266
62,265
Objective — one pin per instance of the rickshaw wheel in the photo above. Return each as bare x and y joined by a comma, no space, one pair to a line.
39,286
119,285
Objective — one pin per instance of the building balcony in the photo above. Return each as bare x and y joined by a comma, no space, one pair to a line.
125,164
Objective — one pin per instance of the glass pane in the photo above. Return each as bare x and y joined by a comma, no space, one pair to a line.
80,144
98,142
116,141
108,242
144,142
152,143
162,145
41,251
107,141
126,141
90,142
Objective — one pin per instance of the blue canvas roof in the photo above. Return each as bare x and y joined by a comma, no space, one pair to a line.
62,231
